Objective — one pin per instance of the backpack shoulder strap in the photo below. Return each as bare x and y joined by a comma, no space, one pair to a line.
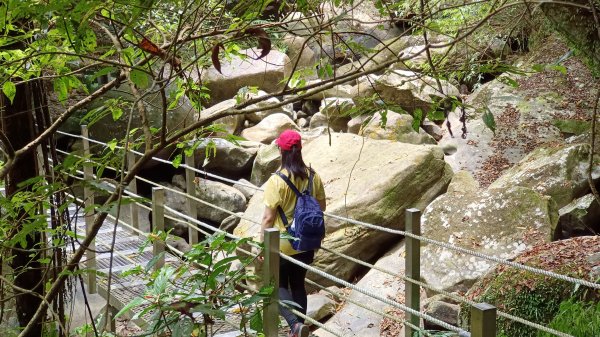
289,183
311,173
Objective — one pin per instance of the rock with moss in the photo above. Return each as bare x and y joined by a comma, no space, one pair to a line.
580,217
368,180
533,296
407,89
500,223
558,172
398,127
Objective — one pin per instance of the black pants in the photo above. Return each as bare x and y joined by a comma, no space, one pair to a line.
291,286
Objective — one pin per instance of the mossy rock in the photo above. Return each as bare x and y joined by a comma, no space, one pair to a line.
532,296
571,126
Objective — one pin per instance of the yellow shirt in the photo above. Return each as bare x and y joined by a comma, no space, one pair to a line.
278,193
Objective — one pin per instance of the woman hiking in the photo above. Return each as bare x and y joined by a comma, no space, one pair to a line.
280,204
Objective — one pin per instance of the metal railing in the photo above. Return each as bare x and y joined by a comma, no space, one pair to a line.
483,316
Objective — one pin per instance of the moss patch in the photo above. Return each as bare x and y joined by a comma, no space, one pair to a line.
571,126
532,296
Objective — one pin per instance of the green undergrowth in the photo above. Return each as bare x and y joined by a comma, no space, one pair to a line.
543,299
580,319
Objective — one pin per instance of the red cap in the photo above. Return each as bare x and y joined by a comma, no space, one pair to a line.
289,138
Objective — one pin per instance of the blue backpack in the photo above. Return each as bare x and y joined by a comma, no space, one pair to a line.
308,225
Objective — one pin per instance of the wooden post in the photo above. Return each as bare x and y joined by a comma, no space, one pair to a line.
158,222
88,197
192,208
413,269
133,207
483,320
271,276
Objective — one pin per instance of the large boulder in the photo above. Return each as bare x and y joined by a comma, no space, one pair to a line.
226,157
104,128
218,194
267,161
397,127
558,172
536,297
256,117
266,73
580,217
299,51
409,90
360,321
269,128
382,52
368,180
499,222
231,125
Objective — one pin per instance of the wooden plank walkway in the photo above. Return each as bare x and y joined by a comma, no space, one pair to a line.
127,255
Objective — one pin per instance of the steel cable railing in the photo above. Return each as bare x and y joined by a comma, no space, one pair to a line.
403,233
398,232
371,294
452,296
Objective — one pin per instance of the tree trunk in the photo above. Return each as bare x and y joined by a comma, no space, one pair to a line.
17,125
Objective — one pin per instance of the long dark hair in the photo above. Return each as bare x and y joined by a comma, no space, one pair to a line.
292,161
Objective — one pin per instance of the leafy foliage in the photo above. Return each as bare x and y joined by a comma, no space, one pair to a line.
189,298
576,318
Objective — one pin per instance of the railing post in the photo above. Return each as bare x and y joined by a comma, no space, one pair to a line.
191,191
413,269
158,222
483,320
88,197
271,276
133,207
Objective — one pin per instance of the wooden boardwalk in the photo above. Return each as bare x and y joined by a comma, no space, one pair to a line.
126,256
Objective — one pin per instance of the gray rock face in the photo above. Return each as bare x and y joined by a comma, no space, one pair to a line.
398,127
227,158
267,161
178,202
256,117
353,320
557,172
299,52
320,306
107,128
243,186
496,222
232,124
219,194
414,175
525,113
407,89
229,223
335,123
269,128
463,183
443,311
266,74
580,217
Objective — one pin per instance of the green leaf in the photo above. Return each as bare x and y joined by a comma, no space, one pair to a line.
139,78
61,89
509,81
417,118
177,160
10,90
559,68
256,322
488,120
112,145
116,112
136,302
538,67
